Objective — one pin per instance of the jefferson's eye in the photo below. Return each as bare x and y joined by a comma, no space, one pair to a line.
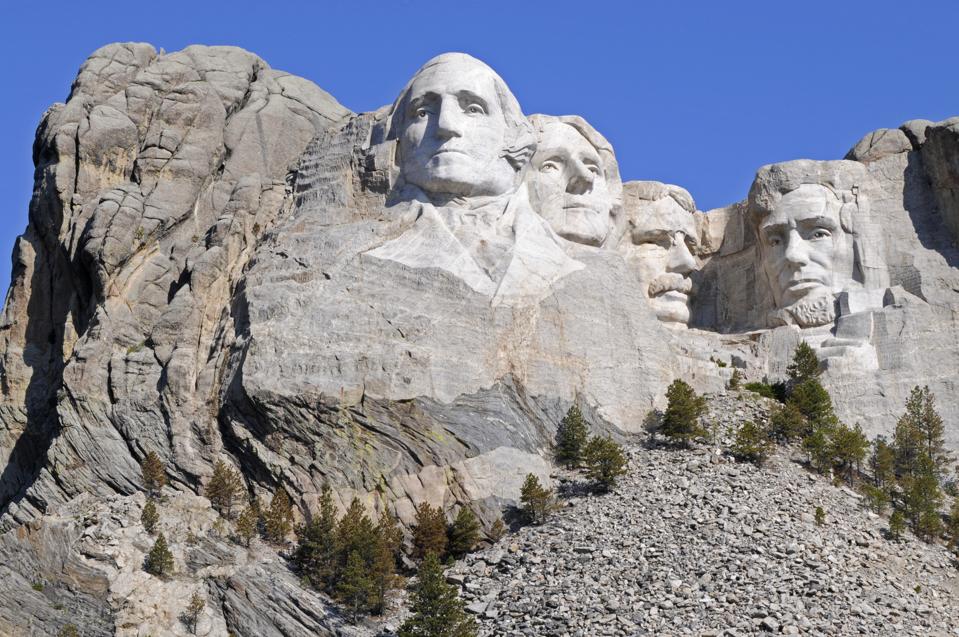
821,233
475,109
594,170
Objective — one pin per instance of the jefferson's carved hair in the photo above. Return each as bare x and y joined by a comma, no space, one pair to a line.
520,142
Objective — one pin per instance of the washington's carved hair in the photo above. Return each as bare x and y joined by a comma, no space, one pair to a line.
520,143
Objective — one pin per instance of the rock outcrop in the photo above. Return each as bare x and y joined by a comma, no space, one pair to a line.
223,263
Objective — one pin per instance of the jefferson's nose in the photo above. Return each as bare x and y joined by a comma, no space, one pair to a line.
449,121
680,259
580,180
797,251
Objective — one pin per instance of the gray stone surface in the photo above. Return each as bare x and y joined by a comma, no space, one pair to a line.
223,262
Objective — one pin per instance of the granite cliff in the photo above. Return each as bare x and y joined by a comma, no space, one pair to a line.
222,262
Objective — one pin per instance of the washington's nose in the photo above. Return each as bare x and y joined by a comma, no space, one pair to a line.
581,179
680,260
449,123
797,252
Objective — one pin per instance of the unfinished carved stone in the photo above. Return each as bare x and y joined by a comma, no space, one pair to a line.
574,179
659,243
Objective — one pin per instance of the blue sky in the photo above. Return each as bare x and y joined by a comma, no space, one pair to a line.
695,93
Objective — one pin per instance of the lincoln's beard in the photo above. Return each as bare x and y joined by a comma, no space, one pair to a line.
808,312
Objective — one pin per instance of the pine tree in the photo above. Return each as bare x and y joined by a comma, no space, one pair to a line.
159,561
191,616
787,422
224,488
804,366
882,463
355,587
429,531
246,525
386,548
571,438
683,411
877,497
952,524
920,432
849,448
463,533
922,499
149,517
897,524
818,447
820,516
437,610
154,474
538,502
752,443
605,462
316,553
813,402
278,521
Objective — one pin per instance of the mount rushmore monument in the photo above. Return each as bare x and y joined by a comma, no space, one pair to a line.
222,262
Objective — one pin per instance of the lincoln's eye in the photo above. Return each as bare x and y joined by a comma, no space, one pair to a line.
422,113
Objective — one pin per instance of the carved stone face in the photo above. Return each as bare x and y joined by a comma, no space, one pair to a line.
663,237
453,138
568,185
805,251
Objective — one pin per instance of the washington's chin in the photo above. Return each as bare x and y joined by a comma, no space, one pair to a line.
581,225
671,307
459,174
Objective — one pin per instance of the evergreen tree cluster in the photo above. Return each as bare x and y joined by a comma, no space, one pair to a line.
351,559
436,608
601,458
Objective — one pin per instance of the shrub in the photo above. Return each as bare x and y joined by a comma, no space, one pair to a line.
736,379
683,411
149,517
763,389
159,561
429,531
224,488
463,533
571,438
191,616
69,630
820,516
497,531
752,443
436,609
538,502
154,474
605,462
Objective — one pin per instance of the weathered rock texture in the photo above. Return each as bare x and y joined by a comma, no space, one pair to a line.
221,263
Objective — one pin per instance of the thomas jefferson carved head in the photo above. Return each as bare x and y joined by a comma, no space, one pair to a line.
660,239
574,180
810,223
460,132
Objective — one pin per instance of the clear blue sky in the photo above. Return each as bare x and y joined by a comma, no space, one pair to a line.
695,93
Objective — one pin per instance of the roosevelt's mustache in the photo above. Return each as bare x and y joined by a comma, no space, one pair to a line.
669,281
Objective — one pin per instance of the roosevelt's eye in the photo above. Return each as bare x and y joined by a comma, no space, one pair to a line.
774,241
475,109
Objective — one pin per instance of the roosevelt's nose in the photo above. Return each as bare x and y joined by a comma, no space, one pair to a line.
680,259
449,120
797,251
580,179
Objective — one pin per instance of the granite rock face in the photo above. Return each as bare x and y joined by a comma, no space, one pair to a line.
222,262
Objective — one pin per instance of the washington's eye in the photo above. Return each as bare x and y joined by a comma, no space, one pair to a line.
475,109
548,166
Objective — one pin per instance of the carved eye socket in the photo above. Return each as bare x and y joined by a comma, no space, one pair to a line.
475,109
548,166
774,241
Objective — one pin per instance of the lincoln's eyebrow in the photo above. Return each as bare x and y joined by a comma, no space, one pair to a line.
821,220
772,227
